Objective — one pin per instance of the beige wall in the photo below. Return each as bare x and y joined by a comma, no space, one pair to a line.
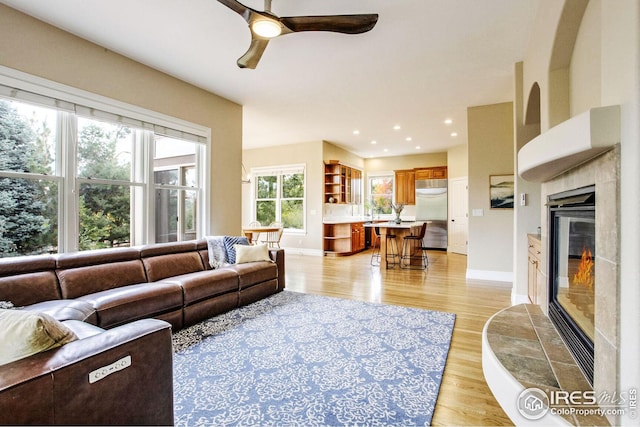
331,151
310,154
384,164
490,130
31,46
458,161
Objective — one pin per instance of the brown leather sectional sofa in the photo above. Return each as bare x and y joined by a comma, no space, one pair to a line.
112,299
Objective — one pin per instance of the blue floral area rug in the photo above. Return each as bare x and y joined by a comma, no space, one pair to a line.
303,360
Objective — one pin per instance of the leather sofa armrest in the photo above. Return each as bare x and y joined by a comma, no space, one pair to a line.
121,376
277,255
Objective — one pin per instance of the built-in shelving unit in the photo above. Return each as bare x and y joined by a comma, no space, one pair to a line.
342,183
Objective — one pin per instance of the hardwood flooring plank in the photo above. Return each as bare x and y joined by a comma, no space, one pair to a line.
465,398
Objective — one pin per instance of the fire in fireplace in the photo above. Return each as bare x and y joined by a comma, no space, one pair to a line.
572,250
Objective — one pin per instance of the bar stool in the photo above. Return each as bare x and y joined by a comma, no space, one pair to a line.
392,245
411,244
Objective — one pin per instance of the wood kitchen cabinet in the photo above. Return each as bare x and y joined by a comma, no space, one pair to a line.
439,172
344,238
405,181
535,282
342,184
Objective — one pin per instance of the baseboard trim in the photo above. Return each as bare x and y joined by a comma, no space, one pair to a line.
493,276
519,299
304,251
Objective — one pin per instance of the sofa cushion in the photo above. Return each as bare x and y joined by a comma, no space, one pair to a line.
252,253
229,244
24,333
205,284
76,282
253,273
66,309
127,303
28,279
163,266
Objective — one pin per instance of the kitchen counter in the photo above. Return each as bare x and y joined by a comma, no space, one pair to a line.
358,219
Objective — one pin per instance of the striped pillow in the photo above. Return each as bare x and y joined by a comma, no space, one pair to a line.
229,242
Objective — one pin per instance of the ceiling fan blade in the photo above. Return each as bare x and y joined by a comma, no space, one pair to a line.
347,24
238,8
253,55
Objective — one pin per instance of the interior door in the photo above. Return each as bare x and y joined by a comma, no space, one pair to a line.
458,215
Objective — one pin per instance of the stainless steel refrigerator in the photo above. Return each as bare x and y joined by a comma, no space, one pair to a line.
431,205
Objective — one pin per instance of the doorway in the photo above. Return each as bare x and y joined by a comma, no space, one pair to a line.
458,215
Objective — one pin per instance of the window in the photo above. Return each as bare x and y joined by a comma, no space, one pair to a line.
29,183
381,194
75,178
280,196
176,186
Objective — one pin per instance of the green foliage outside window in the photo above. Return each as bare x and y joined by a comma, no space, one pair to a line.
289,198
104,209
28,215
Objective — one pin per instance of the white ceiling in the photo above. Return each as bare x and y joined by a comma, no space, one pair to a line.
425,61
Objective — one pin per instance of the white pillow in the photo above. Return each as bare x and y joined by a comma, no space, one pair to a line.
253,253
23,333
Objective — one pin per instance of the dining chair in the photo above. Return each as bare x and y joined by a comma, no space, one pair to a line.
254,235
392,245
272,238
412,244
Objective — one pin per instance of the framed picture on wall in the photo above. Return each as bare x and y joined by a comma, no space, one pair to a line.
501,191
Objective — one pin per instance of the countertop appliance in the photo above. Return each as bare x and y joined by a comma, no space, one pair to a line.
431,205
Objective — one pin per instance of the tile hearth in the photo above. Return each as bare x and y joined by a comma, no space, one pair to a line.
526,344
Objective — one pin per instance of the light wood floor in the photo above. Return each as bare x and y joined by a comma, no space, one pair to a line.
465,398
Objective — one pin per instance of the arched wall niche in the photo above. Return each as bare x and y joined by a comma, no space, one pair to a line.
560,61
532,113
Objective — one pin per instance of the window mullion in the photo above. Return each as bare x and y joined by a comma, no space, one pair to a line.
68,208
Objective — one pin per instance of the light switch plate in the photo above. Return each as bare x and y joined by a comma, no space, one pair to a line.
477,212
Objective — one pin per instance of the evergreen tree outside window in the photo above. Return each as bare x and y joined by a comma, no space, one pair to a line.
28,187
74,177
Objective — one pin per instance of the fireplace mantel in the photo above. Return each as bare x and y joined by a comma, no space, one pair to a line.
570,144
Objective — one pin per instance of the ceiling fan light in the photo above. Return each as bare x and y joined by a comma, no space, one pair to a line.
266,28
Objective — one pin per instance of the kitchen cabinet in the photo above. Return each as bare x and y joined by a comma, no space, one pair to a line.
535,283
345,238
438,172
357,237
405,181
342,184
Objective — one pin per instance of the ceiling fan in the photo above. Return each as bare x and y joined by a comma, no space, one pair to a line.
264,26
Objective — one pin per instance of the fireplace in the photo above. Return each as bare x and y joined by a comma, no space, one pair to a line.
572,252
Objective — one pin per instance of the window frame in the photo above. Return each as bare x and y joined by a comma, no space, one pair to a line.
385,174
279,171
72,103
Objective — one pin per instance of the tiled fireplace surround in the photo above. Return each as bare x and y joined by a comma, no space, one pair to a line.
604,172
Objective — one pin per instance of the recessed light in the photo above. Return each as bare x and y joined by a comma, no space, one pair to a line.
386,149
417,147
454,133
356,132
397,127
448,121
408,139
374,142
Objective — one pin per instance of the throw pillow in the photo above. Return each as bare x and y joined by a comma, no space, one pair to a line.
229,244
24,333
252,253
217,251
